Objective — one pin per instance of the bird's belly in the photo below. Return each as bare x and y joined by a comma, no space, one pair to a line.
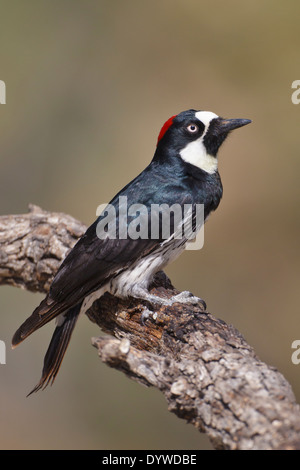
139,274
143,270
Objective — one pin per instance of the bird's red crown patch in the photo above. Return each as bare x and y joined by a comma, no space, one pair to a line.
165,127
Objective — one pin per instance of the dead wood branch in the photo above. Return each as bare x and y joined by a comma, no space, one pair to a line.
207,372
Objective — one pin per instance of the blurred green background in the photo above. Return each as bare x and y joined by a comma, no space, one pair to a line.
89,84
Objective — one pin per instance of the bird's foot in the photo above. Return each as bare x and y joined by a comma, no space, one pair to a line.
186,297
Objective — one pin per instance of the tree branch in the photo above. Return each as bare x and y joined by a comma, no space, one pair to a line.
207,372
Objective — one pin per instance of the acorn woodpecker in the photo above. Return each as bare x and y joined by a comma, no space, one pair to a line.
183,172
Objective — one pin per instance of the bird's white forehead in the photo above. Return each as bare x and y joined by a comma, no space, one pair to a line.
206,117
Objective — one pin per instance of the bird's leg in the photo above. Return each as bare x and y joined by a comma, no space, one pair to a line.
142,293
184,297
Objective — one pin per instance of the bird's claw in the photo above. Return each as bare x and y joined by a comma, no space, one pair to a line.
186,297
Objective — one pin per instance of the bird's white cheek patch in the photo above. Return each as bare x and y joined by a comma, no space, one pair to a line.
196,154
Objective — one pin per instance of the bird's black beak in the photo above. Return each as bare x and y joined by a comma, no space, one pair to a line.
219,130
226,125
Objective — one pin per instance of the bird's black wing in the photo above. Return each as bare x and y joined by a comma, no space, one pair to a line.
94,261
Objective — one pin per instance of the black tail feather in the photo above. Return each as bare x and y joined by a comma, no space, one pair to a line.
46,311
57,348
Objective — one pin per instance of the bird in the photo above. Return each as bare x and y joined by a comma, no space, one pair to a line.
109,258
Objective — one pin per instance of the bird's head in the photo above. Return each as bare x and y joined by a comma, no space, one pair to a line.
195,136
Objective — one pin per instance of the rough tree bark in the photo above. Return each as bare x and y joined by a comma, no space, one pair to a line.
207,372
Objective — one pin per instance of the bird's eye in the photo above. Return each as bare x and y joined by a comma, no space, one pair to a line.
192,128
